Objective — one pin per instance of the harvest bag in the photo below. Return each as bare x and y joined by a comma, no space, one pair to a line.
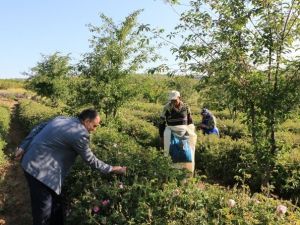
181,131
180,150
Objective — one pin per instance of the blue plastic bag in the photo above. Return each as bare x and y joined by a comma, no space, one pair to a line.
180,150
215,130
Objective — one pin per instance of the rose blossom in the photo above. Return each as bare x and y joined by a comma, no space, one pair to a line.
105,202
231,203
176,192
96,209
281,209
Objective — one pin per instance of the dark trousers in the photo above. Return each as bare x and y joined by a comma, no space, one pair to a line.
46,205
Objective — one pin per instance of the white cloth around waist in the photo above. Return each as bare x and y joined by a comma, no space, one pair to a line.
180,131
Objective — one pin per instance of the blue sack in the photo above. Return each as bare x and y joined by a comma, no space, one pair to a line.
215,130
180,150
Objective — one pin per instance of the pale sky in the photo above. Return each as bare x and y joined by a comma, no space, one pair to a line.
30,28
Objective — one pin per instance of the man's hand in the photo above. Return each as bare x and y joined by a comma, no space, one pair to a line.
119,170
19,153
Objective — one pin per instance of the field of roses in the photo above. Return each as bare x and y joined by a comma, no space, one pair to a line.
223,190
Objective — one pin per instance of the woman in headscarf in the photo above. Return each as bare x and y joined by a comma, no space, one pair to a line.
208,124
177,130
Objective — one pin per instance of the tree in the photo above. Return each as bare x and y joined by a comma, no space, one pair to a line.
248,49
49,77
151,88
118,50
186,86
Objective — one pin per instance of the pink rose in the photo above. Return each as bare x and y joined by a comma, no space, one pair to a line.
281,209
96,209
105,202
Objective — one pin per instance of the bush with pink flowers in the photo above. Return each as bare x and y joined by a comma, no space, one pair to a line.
155,193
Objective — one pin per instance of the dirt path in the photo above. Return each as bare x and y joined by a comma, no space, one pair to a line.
14,195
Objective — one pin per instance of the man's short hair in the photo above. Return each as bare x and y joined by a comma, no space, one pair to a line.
90,114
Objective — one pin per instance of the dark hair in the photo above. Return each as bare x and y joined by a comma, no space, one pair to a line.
88,114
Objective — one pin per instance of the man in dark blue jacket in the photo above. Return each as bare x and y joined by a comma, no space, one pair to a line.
48,153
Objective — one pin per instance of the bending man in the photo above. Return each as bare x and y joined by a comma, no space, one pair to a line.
48,153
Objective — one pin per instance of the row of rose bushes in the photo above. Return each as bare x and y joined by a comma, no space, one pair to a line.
10,83
234,161
232,157
223,160
139,119
150,112
4,128
142,131
30,113
153,192
229,159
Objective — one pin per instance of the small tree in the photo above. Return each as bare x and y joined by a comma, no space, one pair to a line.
245,48
152,88
117,52
49,77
